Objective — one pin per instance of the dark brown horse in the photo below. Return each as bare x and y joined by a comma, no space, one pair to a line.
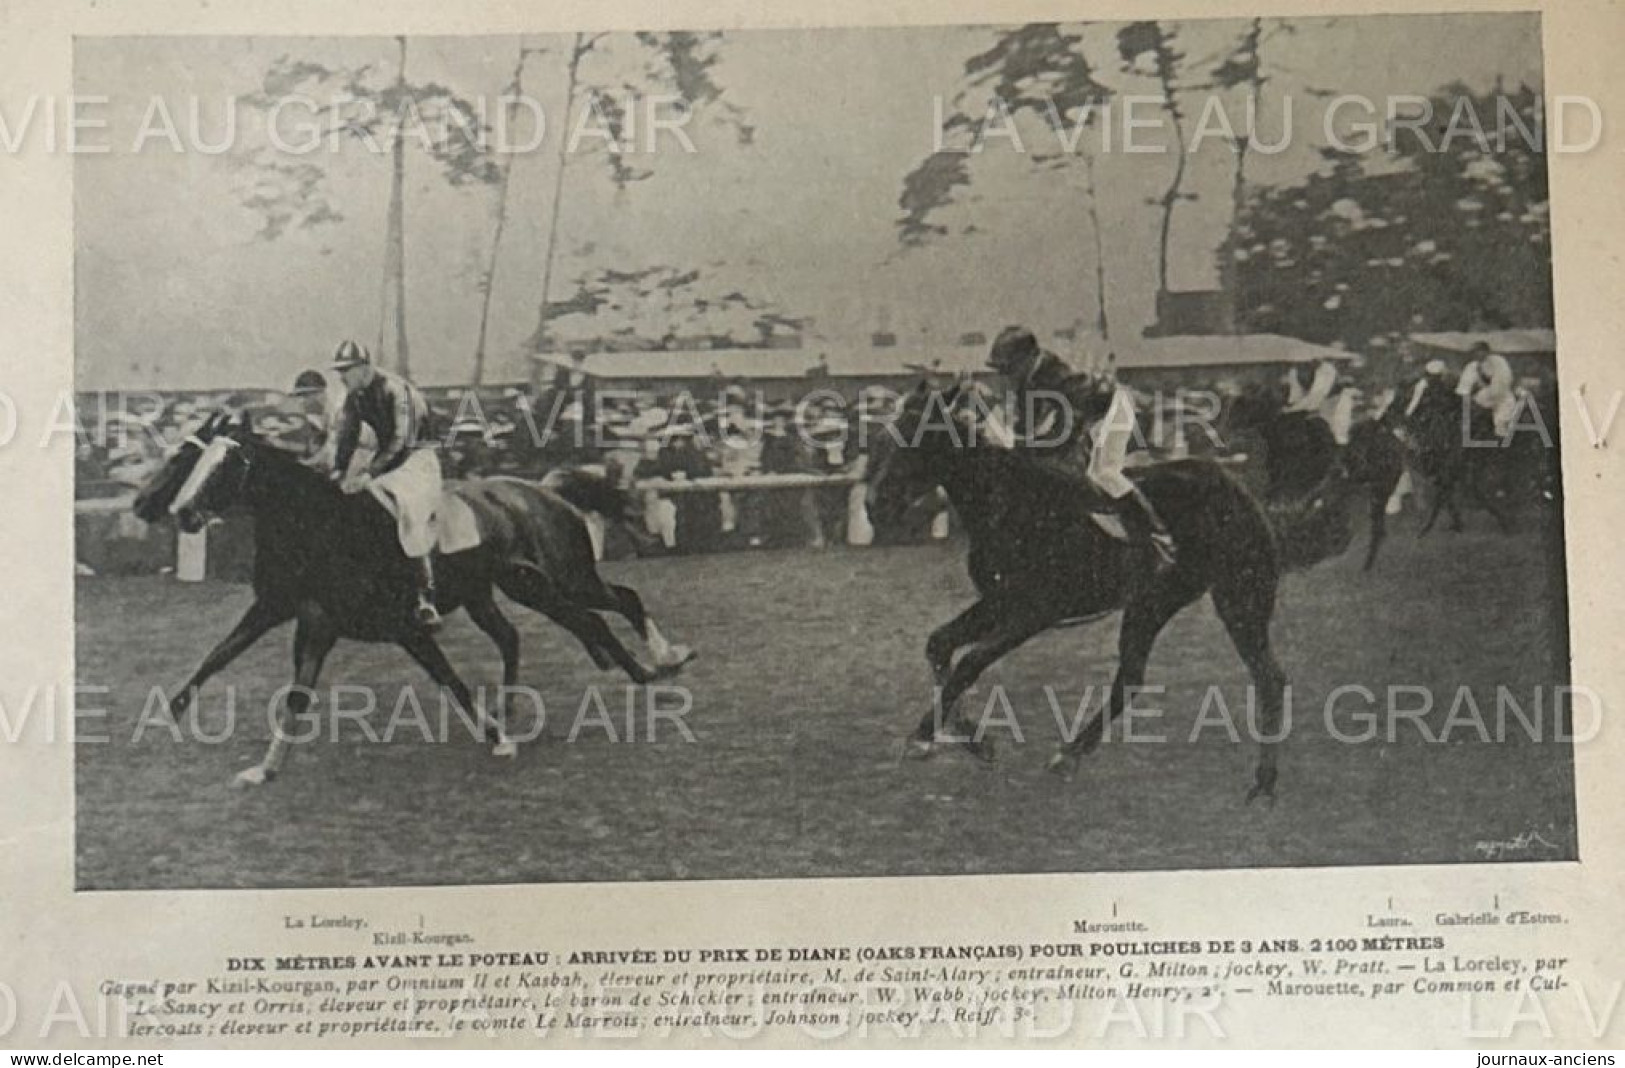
1304,464
332,562
1447,435
1039,561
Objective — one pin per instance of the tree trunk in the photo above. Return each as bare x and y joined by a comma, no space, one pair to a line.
515,89
1229,274
1101,323
396,355
1170,199
577,50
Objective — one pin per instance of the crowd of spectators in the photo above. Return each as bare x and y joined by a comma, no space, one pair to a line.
647,441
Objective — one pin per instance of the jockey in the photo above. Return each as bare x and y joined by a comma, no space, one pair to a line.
1332,396
1294,389
1320,389
1488,380
1433,379
405,466
1098,422
1342,411
318,398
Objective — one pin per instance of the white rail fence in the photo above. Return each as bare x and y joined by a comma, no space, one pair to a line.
111,518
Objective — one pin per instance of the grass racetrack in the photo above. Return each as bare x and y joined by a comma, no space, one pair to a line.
810,673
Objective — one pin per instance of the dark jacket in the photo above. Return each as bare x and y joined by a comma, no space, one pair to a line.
398,414
782,454
1053,397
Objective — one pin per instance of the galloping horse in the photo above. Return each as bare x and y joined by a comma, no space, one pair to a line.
332,562
1439,432
1039,561
1302,459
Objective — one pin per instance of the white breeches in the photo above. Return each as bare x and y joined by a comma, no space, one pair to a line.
1502,402
1340,416
1110,439
1320,390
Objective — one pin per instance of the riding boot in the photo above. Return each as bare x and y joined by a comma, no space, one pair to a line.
426,614
1145,526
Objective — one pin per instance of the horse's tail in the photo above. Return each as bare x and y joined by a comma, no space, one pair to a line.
592,492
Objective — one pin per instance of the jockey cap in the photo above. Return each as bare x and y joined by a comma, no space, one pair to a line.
309,383
1014,346
350,354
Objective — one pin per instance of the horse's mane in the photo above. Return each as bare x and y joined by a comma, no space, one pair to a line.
591,492
289,463
996,467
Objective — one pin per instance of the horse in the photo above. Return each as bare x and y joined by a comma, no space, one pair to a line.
1438,432
332,563
1302,459
1039,561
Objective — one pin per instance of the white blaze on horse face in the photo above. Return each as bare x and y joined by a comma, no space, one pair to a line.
214,454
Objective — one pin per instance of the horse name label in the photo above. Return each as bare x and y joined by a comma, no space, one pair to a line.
314,921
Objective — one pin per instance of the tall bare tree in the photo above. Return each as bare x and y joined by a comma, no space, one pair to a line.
513,95
678,63
1038,73
1243,69
580,46
296,194
1135,42
394,350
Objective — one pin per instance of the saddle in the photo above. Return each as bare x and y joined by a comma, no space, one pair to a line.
457,525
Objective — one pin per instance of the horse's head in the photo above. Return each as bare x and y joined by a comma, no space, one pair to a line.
216,472
152,501
912,448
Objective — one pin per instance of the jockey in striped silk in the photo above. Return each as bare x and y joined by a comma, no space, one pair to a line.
404,472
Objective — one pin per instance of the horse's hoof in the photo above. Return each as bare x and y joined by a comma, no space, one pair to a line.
1063,764
1257,792
919,749
254,776
674,662
505,749
983,750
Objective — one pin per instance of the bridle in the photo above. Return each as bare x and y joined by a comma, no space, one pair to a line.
193,486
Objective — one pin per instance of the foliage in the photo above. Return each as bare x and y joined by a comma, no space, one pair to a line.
658,307
1449,231
1037,74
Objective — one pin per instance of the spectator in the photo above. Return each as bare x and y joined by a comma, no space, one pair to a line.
788,517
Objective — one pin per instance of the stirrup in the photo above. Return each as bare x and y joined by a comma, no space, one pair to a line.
427,615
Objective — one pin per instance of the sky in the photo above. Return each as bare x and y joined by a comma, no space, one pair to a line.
176,288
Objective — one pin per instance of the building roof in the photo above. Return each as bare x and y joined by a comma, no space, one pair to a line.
1535,341
1146,353
1215,350
729,363
1222,350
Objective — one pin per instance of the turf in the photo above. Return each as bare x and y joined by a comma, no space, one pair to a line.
809,675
